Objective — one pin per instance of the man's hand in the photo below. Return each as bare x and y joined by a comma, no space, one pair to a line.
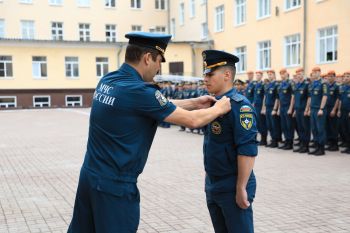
223,105
242,198
204,101
333,113
263,111
339,113
294,114
320,112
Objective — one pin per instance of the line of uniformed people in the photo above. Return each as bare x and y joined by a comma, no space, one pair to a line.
316,107
182,90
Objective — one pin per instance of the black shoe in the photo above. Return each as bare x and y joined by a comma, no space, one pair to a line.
333,147
346,151
297,144
282,146
343,144
273,144
304,149
313,145
297,149
288,146
313,152
320,151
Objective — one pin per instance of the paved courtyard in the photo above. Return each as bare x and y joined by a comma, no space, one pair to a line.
41,152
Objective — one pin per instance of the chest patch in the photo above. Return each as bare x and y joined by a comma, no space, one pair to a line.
246,120
216,127
161,98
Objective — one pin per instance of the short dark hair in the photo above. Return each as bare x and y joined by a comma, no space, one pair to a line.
134,53
232,69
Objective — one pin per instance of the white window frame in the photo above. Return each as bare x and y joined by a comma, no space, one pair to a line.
136,28
111,29
70,66
74,103
7,62
241,12
262,54
160,29
2,28
84,33
41,104
6,104
292,50
159,3
56,31
83,3
56,2
241,53
289,4
38,66
330,41
219,18
26,1
261,13
100,65
192,8
110,3
173,27
28,29
135,4
182,14
204,30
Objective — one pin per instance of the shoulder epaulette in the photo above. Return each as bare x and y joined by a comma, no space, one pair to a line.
236,97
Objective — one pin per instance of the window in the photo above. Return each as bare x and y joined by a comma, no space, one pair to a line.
219,18
182,13
264,8
192,8
264,55
172,27
290,4
327,44
84,32
136,28
5,66
241,53
110,3
83,3
111,34
72,67
292,50
204,31
101,66
39,67
135,4
240,11
26,1
57,31
158,29
27,28
160,4
55,2
74,100
41,101
2,28
8,101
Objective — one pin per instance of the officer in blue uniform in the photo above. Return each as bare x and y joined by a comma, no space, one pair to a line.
299,101
123,120
230,148
239,86
344,111
332,108
318,94
272,103
250,90
285,109
259,93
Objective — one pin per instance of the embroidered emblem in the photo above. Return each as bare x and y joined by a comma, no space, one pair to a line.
284,91
161,98
258,91
270,91
301,92
315,92
331,93
246,120
216,127
245,108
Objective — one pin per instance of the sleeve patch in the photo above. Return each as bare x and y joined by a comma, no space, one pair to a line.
245,108
161,98
246,120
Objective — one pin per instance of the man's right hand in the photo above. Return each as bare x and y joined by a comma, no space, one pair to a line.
223,105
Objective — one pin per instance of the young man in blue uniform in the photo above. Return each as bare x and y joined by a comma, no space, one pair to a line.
249,91
230,148
258,103
124,116
344,111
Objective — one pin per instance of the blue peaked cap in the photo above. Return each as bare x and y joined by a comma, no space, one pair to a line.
155,41
213,59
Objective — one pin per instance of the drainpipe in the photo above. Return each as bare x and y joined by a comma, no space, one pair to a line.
119,48
305,35
193,60
168,5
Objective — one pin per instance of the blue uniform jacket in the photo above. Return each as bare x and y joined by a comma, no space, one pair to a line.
345,97
300,95
285,93
226,137
271,94
317,91
249,91
123,121
333,95
259,93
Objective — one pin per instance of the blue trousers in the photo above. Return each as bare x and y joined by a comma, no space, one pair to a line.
261,121
345,124
318,126
303,124
272,124
227,217
286,124
104,206
332,127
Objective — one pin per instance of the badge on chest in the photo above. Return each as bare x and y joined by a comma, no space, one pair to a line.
216,128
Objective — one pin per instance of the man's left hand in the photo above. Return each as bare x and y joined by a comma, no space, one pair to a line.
242,198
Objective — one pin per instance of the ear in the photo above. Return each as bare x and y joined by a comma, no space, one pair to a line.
147,57
227,75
